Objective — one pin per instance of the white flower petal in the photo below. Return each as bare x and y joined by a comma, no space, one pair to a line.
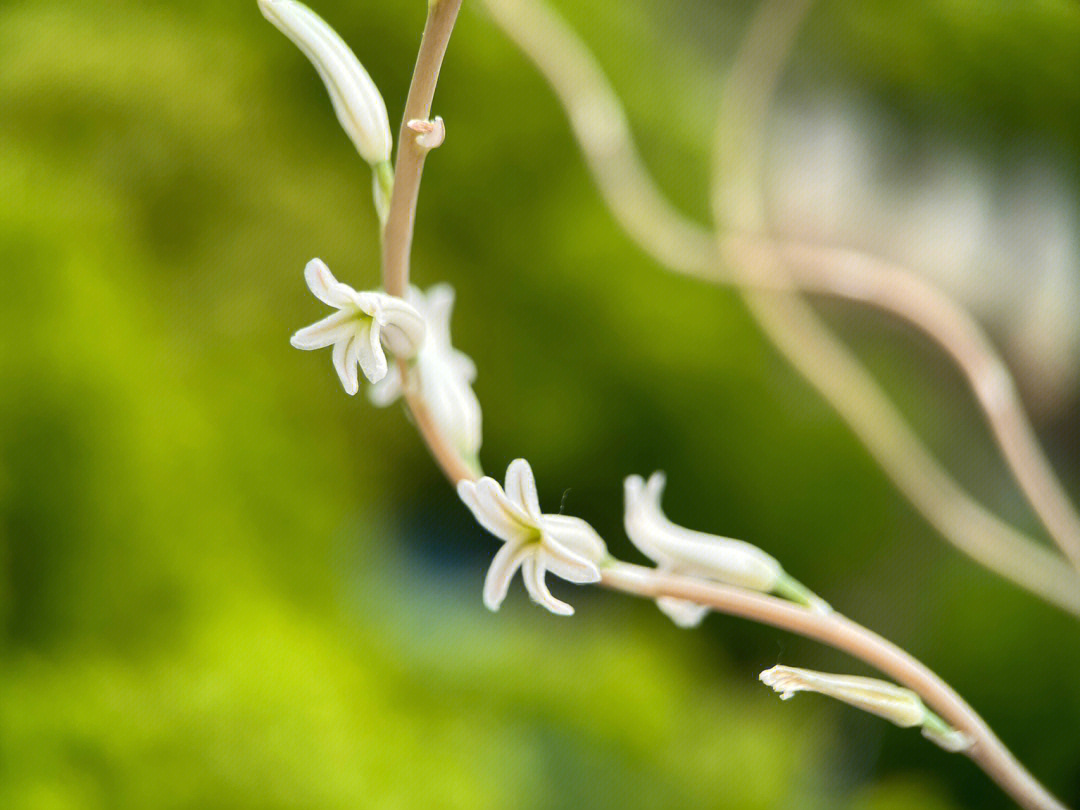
490,516
451,400
356,100
442,373
532,572
576,536
634,488
463,366
438,307
324,286
567,565
338,326
654,487
370,354
466,490
515,523
567,546
357,328
407,322
387,390
467,427
367,302
521,488
345,366
355,353
683,613
502,570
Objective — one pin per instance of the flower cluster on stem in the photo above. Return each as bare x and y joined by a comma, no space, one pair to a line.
695,572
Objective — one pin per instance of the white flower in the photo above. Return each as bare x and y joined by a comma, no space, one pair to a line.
567,546
889,701
442,374
356,99
357,331
677,550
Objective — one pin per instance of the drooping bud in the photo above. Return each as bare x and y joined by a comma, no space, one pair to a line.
889,701
679,550
356,99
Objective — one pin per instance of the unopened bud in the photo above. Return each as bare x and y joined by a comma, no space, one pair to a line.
889,701
356,99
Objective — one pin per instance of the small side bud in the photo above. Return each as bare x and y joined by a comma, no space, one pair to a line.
431,134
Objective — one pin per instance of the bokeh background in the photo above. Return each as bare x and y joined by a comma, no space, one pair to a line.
225,584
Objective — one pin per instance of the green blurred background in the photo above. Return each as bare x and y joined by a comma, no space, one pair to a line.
225,584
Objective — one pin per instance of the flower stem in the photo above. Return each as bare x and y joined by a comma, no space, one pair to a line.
833,629
409,169
398,231
839,632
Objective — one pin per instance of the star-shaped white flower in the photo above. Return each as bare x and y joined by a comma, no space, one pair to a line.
357,331
442,375
567,546
677,550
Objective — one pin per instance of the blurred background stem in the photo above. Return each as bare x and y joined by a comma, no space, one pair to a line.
603,132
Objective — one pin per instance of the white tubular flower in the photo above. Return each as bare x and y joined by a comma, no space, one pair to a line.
889,701
356,99
677,550
567,546
357,331
442,375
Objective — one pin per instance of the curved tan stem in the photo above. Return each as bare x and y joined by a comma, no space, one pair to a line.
857,276
398,233
801,337
987,751
409,167
658,228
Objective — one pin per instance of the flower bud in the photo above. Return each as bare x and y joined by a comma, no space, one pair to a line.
721,559
356,99
889,701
